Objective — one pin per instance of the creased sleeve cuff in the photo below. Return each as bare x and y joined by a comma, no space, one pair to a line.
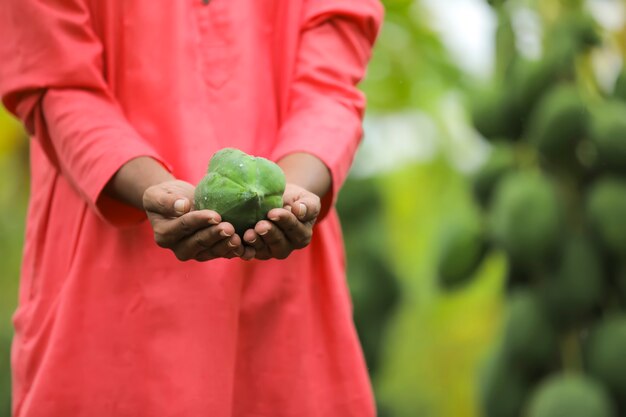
86,137
368,13
107,208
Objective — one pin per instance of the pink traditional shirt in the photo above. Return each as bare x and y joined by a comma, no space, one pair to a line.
109,324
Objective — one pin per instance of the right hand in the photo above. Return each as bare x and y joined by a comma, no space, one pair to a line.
200,235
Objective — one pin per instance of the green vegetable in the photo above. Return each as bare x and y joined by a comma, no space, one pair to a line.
500,162
503,388
463,249
559,122
605,356
526,216
570,396
608,131
529,338
530,80
606,207
578,286
492,113
241,188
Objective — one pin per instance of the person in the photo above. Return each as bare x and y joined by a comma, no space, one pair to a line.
126,101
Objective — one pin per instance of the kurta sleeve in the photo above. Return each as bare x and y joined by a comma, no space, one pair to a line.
325,108
52,78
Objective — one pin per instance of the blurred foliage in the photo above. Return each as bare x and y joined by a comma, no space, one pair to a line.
497,332
410,67
373,284
423,346
13,198
437,339
432,343
553,196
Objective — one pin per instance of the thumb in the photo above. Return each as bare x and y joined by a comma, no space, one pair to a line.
181,206
159,200
306,208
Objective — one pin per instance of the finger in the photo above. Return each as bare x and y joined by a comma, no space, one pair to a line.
181,206
201,241
297,233
250,237
227,248
213,242
255,242
168,232
305,208
278,245
166,202
235,246
248,254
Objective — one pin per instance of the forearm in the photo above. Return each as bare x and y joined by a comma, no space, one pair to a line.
131,181
308,172
86,136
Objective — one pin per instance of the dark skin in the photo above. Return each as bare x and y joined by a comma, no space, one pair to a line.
201,235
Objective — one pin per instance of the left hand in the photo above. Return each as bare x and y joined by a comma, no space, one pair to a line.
288,228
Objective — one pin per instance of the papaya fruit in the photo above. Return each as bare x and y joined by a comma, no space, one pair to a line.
604,356
526,216
608,133
606,205
492,113
530,80
240,187
558,123
503,389
572,396
462,251
577,287
500,161
529,338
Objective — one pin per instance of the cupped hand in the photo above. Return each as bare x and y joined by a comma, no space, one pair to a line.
288,228
199,235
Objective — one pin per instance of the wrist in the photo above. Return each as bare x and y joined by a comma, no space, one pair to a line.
134,177
307,171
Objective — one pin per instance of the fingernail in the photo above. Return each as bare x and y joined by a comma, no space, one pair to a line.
288,208
274,218
224,233
213,221
252,241
179,206
302,210
263,233
231,244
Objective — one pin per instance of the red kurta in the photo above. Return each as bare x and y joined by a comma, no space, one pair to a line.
109,324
